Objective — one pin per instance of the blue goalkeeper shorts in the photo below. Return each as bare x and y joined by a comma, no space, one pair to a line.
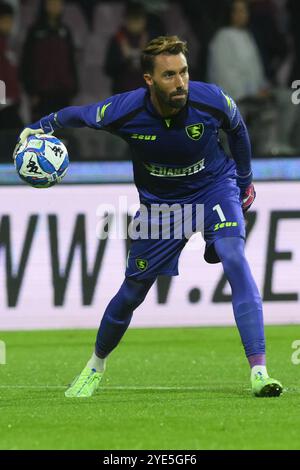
223,217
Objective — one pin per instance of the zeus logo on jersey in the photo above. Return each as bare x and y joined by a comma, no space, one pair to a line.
225,224
143,137
157,170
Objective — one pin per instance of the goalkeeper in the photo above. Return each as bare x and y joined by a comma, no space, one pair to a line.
172,129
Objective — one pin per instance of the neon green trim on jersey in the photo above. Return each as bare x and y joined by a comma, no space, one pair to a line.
101,111
229,103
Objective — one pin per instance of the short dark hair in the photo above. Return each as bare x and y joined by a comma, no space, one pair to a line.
6,9
161,45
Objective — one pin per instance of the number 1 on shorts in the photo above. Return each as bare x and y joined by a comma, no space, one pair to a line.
220,212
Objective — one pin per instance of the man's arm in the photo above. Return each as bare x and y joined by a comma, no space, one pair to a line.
240,147
92,115
73,116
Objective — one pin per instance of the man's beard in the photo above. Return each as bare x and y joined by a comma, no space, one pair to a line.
169,100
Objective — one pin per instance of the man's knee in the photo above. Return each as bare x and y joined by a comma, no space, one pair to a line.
231,252
135,290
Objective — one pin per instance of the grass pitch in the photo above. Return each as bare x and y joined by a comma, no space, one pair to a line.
163,389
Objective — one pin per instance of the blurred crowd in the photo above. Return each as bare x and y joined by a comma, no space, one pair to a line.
56,53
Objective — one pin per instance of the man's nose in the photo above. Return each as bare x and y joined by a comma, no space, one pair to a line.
179,82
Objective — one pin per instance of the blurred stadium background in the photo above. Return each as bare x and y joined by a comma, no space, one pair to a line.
55,273
88,50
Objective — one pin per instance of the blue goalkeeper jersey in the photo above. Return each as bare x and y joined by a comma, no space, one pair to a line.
173,157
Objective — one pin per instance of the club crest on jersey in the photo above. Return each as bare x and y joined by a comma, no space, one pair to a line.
195,131
141,264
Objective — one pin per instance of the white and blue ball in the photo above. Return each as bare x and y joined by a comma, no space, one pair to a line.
42,161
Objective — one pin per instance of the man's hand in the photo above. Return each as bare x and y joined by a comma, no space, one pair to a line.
247,191
23,136
35,130
46,125
27,132
247,197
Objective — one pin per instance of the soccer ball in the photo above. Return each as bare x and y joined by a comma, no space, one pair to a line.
42,160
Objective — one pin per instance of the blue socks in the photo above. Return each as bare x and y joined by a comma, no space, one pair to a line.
118,314
246,300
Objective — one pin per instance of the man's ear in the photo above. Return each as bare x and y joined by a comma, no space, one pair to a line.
148,79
